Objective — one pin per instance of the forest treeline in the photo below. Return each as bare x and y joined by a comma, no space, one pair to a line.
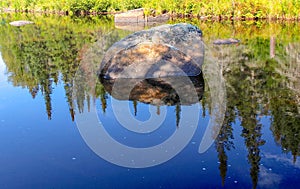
220,9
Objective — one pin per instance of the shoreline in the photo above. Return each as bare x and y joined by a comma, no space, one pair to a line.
172,15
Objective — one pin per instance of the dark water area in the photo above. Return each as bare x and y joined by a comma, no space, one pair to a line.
235,126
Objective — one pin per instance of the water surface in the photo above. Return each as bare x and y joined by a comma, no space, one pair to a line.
47,80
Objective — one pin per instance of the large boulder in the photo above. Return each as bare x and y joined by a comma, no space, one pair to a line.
163,51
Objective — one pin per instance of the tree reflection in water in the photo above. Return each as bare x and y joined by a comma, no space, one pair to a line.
224,141
259,84
39,56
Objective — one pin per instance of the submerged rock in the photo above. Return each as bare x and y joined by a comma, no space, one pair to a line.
20,23
226,41
133,16
134,27
138,16
163,51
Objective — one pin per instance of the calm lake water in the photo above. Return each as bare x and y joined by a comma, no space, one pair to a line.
62,127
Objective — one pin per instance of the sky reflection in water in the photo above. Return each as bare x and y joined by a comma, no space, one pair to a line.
254,147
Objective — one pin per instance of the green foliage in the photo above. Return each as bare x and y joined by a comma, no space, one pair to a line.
212,8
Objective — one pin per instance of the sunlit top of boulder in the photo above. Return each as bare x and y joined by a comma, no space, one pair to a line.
163,51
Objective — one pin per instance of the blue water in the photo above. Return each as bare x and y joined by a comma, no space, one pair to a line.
41,153
58,130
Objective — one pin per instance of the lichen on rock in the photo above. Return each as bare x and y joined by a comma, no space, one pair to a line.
163,51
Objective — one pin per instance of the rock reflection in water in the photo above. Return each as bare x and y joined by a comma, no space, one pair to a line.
158,91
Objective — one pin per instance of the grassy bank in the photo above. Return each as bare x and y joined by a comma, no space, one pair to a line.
220,9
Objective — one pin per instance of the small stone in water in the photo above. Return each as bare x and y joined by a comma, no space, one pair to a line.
20,23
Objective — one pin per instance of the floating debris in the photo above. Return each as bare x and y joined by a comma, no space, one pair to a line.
229,41
203,169
20,23
235,181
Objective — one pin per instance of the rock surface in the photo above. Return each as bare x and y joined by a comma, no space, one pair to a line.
137,16
20,23
163,51
226,41
134,27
